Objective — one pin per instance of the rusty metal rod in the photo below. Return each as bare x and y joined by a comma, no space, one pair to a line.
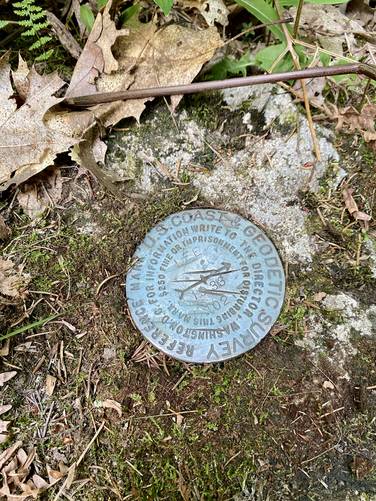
173,90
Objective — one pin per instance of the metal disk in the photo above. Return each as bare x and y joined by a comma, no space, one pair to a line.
206,285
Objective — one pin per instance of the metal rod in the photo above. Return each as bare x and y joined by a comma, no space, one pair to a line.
173,90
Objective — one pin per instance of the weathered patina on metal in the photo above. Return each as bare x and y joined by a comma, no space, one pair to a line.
207,285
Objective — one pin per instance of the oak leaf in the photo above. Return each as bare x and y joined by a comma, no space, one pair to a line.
149,57
96,57
29,145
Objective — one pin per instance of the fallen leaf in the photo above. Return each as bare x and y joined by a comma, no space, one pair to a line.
352,120
6,376
37,197
50,384
213,11
4,350
3,438
13,281
352,206
22,457
54,475
96,57
110,404
5,408
20,78
328,25
29,145
149,58
11,466
8,453
39,482
4,426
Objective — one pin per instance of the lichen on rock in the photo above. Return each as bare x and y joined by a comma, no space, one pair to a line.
262,180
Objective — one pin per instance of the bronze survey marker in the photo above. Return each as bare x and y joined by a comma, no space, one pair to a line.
206,286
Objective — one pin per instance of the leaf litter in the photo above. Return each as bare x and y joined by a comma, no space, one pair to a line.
36,132
29,145
13,281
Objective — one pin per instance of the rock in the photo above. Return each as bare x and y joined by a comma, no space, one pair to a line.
352,320
263,180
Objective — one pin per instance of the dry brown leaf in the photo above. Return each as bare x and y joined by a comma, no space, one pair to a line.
4,350
29,145
20,78
6,376
15,467
328,385
39,482
96,57
5,408
213,11
11,466
3,438
37,197
149,58
13,281
353,120
8,453
352,206
22,457
50,384
328,25
111,404
54,475
4,426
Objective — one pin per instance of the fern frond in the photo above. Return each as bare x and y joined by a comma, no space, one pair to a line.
3,24
40,42
33,19
45,56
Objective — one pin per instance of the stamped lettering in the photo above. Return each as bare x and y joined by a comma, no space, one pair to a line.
207,285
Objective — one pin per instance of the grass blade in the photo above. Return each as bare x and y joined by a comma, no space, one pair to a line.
27,327
265,13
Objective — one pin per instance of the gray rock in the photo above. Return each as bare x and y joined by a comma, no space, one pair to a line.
263,180
353,320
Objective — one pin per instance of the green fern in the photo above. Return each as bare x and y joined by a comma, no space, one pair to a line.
33,19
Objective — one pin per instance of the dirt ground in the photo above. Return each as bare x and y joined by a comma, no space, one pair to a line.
274,424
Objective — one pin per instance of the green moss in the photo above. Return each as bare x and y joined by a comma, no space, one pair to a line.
204,108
